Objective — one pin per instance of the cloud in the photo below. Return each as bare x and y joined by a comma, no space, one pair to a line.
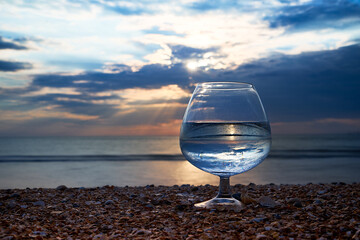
317,15
308,86
27,39
149,76
303,87
10,45
183,52
231,38
125,8
96,106
138,33
212,5
6,66
157,30
230,5
45,112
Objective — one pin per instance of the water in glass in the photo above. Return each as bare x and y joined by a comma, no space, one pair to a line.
225,149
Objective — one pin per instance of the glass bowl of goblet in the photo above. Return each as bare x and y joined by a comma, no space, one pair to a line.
225,131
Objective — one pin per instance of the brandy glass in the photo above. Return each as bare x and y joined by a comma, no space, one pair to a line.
225,132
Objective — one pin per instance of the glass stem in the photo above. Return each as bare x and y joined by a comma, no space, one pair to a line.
224,188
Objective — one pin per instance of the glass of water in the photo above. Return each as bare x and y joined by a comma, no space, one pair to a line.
225,132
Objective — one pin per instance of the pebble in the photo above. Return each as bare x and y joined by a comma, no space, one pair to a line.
258,220
246,199
266,201
11,204
8,238
89,202
322,191
312,215
143,232
15,195
194,189
298,204
109,202
356,235
39,203
38,233
180,207
309,208
61,188
237,196
261,236
56,212
156,202
275,224
293,200
175,217
100,236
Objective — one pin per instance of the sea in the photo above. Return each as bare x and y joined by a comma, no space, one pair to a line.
47,162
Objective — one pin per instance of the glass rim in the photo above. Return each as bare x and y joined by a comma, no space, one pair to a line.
225,85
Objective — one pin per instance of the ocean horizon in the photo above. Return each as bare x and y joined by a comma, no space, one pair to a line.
142,160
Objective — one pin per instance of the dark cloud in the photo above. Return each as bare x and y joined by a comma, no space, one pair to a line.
10,45
308,86
149,76
183,52
209,5
90,83
28,39
127,11
312,15
117,67
6,66
141,7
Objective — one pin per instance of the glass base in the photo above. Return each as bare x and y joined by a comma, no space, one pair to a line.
221,204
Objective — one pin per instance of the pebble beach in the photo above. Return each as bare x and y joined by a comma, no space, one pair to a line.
311,211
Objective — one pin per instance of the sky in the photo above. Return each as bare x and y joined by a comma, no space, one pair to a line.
101,67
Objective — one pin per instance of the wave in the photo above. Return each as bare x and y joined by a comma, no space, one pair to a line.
91,158
315,153
278,154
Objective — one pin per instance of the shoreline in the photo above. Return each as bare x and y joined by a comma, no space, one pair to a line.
309,211
140,173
